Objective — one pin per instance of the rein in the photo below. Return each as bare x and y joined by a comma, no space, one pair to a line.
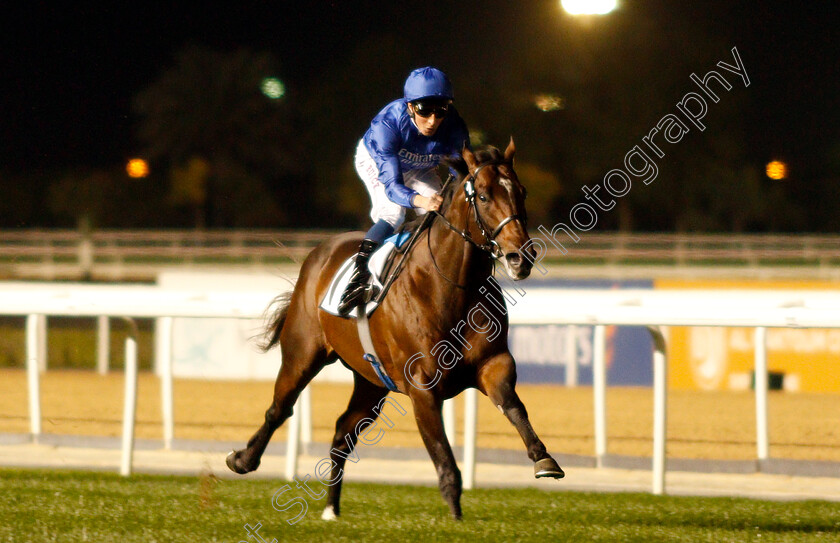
491,247
428,219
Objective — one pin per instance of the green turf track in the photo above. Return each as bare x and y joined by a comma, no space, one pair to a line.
42,506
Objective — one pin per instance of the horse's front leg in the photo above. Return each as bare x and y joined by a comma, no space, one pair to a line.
497,379
427,412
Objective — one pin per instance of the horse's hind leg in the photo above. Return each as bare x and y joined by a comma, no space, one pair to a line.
427,411
497,379
303,358
365,403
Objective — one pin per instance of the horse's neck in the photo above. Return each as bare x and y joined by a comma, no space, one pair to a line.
454,260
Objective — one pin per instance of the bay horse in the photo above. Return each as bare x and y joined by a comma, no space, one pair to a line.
429,304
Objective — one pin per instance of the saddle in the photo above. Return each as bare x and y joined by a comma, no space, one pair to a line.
385,265
381,263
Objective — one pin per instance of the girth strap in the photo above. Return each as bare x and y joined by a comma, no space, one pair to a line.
370,351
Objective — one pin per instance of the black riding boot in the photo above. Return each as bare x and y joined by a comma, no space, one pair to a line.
356,290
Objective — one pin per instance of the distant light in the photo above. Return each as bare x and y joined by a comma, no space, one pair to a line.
273,88
137,168
589,7
776,170
549,102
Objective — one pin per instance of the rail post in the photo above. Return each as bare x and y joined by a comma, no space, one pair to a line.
306,415
130,400
660,409
761,431
42,343
164,328
599,385
293,441
103,344
449,420
470,426
571,356
33,354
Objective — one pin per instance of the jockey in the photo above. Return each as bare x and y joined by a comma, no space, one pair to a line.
397,160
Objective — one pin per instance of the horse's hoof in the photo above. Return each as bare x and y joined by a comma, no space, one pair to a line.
234,465
547,467
329,513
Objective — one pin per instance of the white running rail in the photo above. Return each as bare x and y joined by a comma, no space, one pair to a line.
759,309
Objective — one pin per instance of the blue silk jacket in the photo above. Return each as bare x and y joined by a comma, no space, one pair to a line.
397,146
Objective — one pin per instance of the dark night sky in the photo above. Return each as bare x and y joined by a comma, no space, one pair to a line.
68,74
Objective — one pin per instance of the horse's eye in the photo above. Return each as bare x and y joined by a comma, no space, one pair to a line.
483,198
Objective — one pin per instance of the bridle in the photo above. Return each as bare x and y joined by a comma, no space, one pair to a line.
491,246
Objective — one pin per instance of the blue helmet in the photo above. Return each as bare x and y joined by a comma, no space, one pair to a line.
427,82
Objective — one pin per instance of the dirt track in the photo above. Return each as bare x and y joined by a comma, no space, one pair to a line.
700,424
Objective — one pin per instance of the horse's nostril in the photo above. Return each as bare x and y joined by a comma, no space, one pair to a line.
514,259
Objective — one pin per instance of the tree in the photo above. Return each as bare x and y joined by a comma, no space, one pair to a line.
105,198
17,203
81,196
208,108
338,108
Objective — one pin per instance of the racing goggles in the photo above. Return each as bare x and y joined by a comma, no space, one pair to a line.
426,109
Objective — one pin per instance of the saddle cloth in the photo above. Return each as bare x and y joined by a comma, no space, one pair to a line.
378,261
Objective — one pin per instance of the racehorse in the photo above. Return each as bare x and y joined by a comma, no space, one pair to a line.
439,301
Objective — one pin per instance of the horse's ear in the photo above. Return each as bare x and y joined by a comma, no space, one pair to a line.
510,151
469,157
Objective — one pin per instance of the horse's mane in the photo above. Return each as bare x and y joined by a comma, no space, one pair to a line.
485,153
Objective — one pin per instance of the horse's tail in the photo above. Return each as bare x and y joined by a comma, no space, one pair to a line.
280,306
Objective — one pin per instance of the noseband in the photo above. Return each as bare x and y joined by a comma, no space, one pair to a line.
491,246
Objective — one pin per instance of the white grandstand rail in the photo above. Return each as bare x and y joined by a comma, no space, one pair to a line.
140,301
131,253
